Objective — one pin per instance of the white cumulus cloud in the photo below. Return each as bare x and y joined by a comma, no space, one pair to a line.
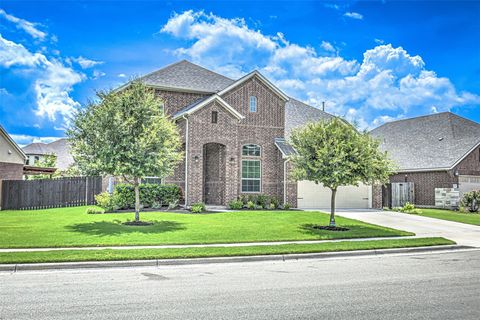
24,25
387,80
86,63
52,81
353,15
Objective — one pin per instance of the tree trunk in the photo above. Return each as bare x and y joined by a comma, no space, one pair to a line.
137,198
332,208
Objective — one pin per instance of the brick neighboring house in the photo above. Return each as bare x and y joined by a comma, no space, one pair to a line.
12,158
435,151
233,132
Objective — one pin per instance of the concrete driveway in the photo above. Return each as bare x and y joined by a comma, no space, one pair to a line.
461,233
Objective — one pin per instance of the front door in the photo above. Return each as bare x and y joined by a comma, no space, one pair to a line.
214,166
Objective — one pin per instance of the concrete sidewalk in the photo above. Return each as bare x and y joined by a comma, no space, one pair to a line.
461,233
243,244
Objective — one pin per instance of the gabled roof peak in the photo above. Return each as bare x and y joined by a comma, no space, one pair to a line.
186,76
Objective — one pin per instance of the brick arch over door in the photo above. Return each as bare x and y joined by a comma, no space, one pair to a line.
214,173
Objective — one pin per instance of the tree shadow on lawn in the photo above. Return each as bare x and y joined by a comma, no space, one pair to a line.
116,227
311,230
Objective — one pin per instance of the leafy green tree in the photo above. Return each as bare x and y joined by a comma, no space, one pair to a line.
125,134
335,153
71,171
47,161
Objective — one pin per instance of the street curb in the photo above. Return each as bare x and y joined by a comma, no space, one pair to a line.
169,262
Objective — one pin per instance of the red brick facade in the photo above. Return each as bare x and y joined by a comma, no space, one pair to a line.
426,181
214,150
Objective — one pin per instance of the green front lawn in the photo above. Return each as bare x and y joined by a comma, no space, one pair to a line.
470,218
66,227
145,254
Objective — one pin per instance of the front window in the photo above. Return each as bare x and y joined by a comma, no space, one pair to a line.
253,104
251,150
251,175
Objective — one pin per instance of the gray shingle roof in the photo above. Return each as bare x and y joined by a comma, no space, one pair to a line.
298,114
428,142
285,148
60,148
185,75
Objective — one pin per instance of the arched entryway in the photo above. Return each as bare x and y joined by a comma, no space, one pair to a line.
214,167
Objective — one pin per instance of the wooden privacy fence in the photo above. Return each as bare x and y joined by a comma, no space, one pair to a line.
402,192
49,193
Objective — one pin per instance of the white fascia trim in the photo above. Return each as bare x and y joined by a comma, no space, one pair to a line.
12,142
422,170
261,78
213,98
466,154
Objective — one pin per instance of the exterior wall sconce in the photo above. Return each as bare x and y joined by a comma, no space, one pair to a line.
196,158
456,173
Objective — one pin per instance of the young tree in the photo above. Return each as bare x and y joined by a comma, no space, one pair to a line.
125,134
335,154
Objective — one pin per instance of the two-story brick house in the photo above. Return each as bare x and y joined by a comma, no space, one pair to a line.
233,132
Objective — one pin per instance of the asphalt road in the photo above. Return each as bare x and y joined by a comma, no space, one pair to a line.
421,286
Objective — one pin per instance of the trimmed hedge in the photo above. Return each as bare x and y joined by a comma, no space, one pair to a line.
151,196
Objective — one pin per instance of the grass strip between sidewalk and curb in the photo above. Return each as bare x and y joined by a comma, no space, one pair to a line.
204,252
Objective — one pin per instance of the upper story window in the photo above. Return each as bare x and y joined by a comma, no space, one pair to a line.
253,104
251,150
214,116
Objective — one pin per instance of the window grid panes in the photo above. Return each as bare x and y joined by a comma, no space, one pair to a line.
253,104
251,150
251,175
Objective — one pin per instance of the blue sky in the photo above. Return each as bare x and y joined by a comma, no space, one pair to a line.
370,61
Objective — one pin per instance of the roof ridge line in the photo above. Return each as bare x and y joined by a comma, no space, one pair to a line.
411,118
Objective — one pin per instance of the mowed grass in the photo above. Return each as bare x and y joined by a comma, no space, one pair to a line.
457,216
146,254
66,227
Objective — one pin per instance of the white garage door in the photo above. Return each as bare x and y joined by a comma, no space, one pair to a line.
468,183
311,195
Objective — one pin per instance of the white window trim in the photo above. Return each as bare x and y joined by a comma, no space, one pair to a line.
259,179
247,144
250,104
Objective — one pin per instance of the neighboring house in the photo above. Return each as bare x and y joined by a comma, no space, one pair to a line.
12,158
233,132
435,151
60,148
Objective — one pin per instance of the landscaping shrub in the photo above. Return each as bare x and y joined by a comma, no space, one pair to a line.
471,201
172,204
251,205
287,206
235,204
261,201
151,195
93,210
104,200
272,206
409,208
198,207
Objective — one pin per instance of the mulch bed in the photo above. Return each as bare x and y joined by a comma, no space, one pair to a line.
138,223
329,228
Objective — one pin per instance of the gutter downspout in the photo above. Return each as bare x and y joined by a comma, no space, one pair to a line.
186,159
285,181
